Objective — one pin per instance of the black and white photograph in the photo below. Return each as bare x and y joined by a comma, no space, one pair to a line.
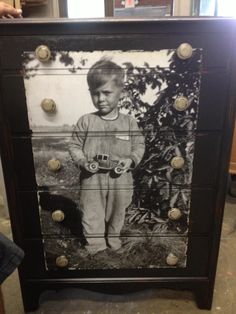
113,138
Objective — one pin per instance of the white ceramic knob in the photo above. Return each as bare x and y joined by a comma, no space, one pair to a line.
43,53
184,51
181,103
172,260
48,105
177,162
61,261
54,164
174,213
58,215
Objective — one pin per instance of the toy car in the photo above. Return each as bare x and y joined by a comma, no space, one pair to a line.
103,162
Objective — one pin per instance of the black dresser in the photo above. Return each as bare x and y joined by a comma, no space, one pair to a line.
179,91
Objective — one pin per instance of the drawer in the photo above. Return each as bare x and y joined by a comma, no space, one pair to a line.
210,39
160,158
135,252
60,151
161,150
57,212
150,212
192,262
209,116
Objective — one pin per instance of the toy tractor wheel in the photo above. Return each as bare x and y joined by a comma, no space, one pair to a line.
93,166
118,170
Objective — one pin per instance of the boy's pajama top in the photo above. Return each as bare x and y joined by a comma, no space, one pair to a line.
105,196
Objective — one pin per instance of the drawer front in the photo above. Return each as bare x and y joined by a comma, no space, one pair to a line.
164,211
160,158
210,42
41,262
212,100
150,212
155,167
135,252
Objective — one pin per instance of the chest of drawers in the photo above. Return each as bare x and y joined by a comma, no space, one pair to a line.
178,86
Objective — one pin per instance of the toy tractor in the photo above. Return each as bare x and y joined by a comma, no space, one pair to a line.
103,162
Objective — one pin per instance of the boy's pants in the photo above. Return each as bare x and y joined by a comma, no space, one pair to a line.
103,201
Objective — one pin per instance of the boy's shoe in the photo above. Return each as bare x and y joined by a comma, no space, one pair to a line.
114,243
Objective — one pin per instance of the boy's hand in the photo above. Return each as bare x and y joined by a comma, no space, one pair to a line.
89,166
125,164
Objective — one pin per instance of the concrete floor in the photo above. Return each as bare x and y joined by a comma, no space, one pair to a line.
146,302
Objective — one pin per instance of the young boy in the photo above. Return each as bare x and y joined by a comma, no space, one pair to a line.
102,142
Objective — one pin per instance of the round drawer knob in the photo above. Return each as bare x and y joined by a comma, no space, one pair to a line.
181,103
184,51
54,164
58,215
48,105
174,213
61,261
172,260
177,162
43,53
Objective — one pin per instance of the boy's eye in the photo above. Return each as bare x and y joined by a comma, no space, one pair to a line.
97,94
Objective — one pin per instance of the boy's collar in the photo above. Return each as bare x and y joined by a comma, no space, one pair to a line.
109,119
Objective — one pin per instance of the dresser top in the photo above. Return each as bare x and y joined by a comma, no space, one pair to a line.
65,26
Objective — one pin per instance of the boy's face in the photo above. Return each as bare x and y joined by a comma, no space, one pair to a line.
106,97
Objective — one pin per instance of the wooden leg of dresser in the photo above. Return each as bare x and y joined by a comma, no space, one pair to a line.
30,295
204,296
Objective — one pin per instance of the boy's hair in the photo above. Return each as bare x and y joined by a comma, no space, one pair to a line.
102,71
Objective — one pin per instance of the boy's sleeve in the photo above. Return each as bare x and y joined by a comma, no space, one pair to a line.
77,141
137,142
